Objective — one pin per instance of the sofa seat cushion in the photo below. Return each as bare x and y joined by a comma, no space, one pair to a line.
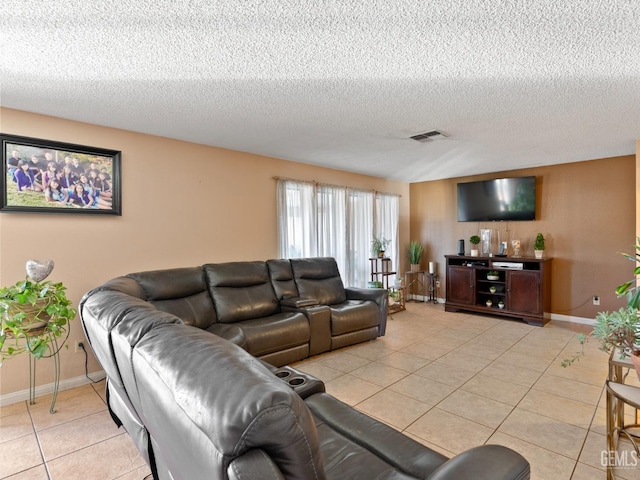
229,331
275,332
353,315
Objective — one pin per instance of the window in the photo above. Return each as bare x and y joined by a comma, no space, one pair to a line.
332,221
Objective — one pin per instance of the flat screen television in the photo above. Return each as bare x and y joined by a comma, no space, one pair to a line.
500,199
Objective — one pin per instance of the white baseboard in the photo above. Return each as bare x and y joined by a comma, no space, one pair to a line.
41,390
569,318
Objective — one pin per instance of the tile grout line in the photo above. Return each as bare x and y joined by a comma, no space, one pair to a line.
35,432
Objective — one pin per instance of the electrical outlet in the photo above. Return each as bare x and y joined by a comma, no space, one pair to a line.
79,346
596,300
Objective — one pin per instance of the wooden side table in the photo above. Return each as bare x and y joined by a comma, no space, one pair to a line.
414,282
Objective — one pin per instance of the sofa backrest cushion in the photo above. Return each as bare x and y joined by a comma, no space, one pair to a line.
282,278
211,406
103,309
241,291
180,291
319,278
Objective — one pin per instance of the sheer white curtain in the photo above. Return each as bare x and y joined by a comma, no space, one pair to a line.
387,219
297,234
360,233
332,224
331,221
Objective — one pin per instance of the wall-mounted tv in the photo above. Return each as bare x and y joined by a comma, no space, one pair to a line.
497,200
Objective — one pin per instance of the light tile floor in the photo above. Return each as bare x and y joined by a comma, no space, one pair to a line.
449,380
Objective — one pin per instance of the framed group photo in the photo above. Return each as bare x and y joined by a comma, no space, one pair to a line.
44,176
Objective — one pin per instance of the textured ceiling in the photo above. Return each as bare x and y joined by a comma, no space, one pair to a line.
513,83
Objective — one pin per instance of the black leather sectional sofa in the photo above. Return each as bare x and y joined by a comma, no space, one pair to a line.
194,360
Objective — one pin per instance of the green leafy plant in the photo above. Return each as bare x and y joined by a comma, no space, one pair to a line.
630,289
492,273
474,239
34,315
618,330
379,245
415,252
539,243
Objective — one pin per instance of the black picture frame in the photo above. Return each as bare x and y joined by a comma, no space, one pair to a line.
32,189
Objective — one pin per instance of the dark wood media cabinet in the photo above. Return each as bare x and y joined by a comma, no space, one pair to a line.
522,285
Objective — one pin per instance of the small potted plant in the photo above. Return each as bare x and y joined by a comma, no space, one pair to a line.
618,330
474,240
415,254
34,314
493,275
500,304
379,246
394,296
538,246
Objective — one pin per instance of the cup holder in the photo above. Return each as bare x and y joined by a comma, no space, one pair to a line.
303,384
297,381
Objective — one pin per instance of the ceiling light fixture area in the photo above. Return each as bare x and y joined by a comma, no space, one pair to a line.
428,136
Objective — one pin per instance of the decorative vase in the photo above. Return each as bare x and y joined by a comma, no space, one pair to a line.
515,244
492,289
474,252
489,303
500,304
415,267
538,253
486,235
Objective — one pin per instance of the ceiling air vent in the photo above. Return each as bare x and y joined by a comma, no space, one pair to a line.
427,136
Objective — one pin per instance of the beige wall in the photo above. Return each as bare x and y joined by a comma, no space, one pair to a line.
586,211
183,204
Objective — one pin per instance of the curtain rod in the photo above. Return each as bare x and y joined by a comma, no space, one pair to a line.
313,182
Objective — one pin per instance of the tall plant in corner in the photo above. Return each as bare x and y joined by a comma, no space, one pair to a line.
415,254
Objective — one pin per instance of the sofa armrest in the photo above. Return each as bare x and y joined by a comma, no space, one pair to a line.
487,462
404,453
254,464
298,302
320,325
378,295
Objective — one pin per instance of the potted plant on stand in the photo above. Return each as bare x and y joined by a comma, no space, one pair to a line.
538,246
415,254
619,330
474,240
34,314
379,246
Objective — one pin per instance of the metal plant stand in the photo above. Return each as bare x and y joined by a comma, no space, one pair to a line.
55,354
